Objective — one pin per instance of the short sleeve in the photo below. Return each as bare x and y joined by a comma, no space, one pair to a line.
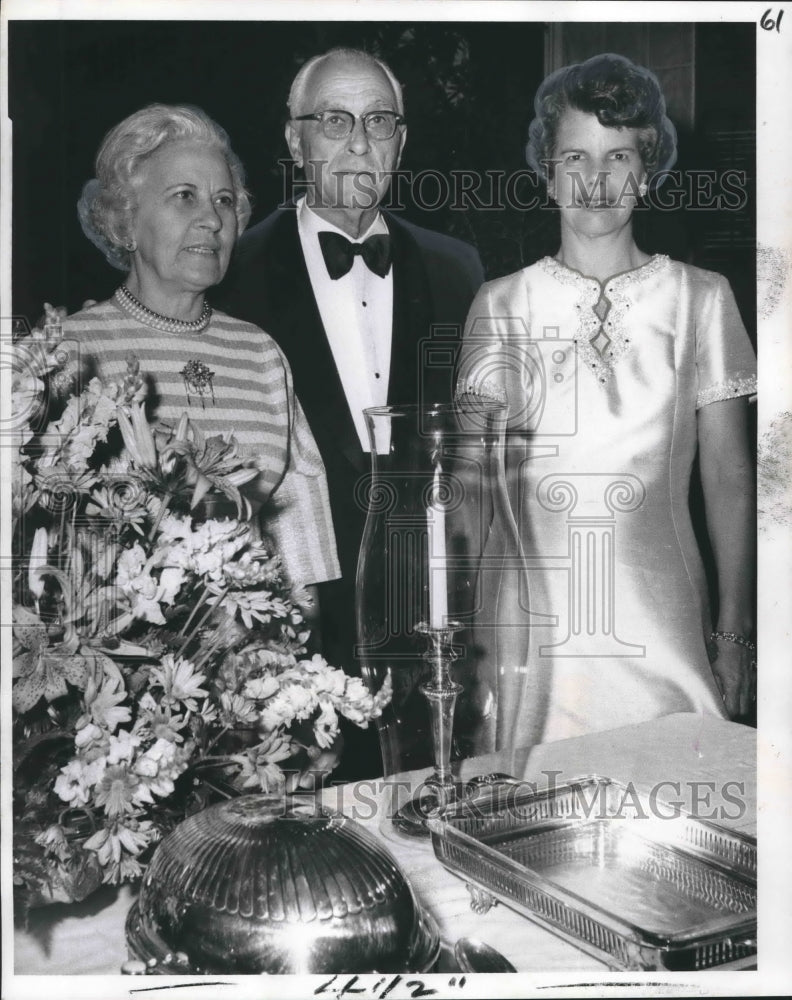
493,361
725,359
300,520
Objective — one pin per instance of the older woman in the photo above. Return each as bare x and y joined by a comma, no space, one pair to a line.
166,207
619,367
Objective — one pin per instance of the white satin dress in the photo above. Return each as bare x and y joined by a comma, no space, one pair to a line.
603,385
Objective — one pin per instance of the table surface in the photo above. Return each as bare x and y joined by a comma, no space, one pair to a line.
704,764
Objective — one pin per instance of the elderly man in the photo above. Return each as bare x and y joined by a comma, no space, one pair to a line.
348,291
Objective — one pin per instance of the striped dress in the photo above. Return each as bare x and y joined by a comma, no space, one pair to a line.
250,395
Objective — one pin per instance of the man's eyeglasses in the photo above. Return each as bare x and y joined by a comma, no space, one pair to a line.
339,124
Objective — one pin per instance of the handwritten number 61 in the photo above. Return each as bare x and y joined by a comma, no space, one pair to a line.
768,23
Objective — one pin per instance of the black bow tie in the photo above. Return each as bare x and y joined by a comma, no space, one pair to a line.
339,253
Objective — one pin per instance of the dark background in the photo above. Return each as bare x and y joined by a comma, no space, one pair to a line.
469,94
468,88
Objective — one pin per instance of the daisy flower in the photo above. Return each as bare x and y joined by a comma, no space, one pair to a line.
103,704
180,681
118,790
260,764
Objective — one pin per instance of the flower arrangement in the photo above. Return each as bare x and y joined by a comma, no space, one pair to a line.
160,659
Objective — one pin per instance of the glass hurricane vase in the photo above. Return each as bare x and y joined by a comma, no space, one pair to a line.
442,602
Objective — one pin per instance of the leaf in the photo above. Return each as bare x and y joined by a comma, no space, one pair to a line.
86,607
23,750
93,608
202,486
83,874
126,650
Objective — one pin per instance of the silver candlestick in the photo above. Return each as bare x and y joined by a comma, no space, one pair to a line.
441,691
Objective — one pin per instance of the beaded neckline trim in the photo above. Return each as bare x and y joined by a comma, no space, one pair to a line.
155,320
570,276
601,339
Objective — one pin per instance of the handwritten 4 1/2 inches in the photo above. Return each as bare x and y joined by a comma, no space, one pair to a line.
395,987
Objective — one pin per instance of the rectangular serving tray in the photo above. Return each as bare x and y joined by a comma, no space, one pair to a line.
637,883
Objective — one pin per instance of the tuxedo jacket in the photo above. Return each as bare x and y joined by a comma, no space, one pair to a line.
435,278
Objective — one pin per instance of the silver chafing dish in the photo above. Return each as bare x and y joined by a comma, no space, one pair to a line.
263,884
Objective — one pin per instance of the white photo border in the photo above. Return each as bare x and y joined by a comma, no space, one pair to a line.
774,230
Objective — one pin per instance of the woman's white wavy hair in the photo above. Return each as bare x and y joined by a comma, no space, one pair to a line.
108,202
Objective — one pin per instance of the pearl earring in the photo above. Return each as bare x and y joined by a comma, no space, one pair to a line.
131,246
642,189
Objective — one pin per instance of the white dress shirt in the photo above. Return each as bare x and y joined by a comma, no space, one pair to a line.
357,314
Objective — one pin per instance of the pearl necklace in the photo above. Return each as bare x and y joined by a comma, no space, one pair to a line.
166,324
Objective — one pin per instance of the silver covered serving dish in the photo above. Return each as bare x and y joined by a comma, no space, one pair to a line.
637,884
263,884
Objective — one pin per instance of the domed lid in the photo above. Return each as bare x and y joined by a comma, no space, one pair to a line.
263,883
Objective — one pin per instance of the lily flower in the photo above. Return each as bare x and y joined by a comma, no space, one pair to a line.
137,435
209,463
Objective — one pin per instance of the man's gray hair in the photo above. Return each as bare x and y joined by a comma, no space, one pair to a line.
300,84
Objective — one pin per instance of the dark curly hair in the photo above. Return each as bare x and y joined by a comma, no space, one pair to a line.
621,95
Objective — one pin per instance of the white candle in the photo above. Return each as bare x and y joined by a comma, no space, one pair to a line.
438,590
